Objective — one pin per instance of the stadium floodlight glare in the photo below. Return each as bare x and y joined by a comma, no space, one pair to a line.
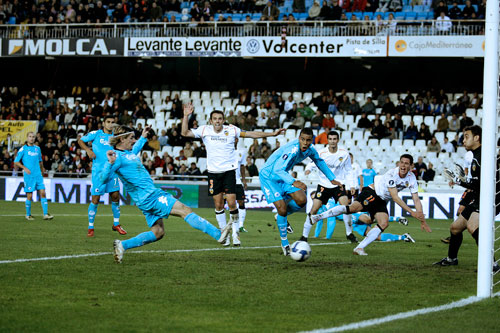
488,153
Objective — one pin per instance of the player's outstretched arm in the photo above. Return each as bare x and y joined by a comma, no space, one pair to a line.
185,131
137,147
420,210
419,214
258,134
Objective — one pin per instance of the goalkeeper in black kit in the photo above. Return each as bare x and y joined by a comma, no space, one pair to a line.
469,217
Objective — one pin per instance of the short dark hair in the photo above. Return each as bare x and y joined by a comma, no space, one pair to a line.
217,112
334,133
475,130
307,131
408,156
108,117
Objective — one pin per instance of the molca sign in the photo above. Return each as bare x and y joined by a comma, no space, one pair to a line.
62,47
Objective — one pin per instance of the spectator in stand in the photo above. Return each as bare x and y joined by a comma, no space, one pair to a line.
181,157
388,106
314,11
398,125
444,107
270,12
443,124
411,131
317,120
424,133
422,108
345,104
51,125
369,106
468,13
369,173
354,108
364,122
156,12
322,138
382,99
447,146
231,118
298,123
328,121
441,8
163,139
188,151
443,24
379,131
420,167
262,120
307,112
475,101
465,121
251,168
429,174
335,13
455,12
433,145
273,121
454,124
193,170
289,104
154,144
299,6
207,11
481,10
196,12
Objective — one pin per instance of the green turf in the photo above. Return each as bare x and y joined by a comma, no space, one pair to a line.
244,290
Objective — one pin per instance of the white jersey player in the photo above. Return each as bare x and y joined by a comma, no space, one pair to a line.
356,177
241,186
219,140
373,199
339,162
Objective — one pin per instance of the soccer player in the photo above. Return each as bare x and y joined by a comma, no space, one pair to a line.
469,217
100,145
373,199
241,184
154,203
221,162
357,177
369,173
339,162
29,159
278,185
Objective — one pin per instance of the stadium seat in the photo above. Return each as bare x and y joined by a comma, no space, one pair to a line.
471,112
420,143
385,143
215,95
12,20
307,97
195,94
418,8
285,95
429,121
259,163
224,94
184,95
418,119
205,95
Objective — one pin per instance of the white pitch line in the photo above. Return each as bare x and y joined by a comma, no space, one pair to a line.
401,315
156,251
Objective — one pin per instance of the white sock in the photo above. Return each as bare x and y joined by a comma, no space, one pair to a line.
221,218
243,214
372,235
307,227
348,224
236,225
335,211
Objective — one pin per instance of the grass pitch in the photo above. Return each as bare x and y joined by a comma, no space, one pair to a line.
237,290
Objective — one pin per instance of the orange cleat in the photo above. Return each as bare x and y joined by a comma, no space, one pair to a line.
120,230
90,233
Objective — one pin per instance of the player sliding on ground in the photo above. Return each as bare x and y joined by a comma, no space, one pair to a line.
29,159
100,145
278,185
154,203
373,199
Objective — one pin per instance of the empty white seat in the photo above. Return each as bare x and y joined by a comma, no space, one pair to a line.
420,143
205,95
147,93
418,119
224,94
307,97
285,95
297,96
215,95
155,94
184,95
195,95
164,94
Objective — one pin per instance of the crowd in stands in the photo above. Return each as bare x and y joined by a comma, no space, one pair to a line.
109,11
61,124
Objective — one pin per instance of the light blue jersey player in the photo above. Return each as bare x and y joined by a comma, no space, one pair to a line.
29,158
154,203
278,185
100,145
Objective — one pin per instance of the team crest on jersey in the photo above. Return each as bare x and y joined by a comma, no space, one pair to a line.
131,157
226,133
318,195
407,184
285,156
365,202
391,182
473,167
341,159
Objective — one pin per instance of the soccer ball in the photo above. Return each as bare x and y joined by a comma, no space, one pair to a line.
300,251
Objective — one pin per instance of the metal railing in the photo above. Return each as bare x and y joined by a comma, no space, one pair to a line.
241,29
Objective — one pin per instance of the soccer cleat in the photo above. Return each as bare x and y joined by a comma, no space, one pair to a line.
403,221
119,250
243,229
303,239
408,238
289,229
236,240
48,217
359,252
29,217
224,233
446,240
120,230
286,250
90,233
227,242
447,262
352,238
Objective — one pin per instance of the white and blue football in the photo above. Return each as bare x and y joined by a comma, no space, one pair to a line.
300,251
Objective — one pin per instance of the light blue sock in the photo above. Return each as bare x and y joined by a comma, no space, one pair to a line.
92,213
200,223
390,238
393,219
331,222
319,226
139,240
292,207
281,221
28,207
45,206
115,207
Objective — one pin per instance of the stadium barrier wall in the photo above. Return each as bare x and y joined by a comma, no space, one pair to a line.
254,46
437,205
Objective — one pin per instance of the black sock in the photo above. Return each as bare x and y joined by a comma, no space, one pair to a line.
455,242
475,235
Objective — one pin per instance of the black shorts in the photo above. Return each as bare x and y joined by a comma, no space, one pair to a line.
468,210
371,202
351,197
324,194
240,192
224,182
467,198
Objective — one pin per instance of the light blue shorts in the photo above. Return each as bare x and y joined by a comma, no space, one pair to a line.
33,183
112,186
276,190
360,228
159,206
